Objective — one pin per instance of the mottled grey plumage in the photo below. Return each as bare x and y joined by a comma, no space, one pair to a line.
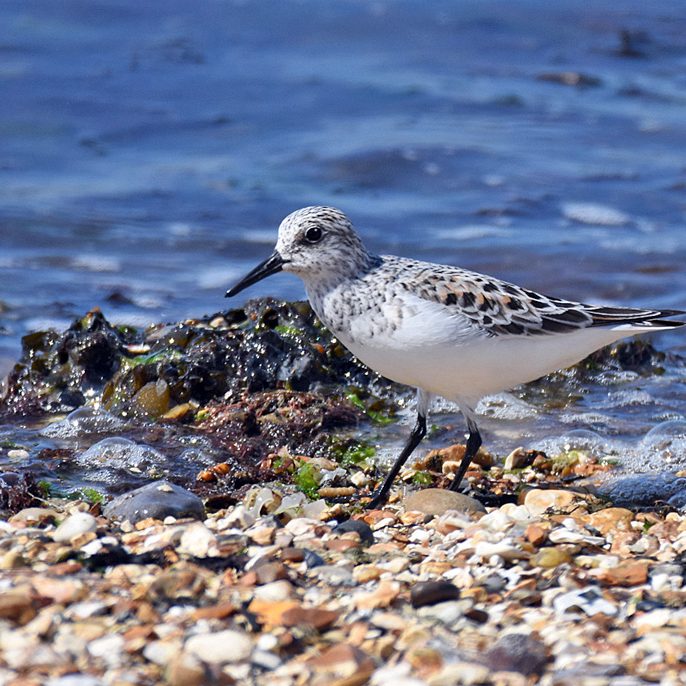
445,330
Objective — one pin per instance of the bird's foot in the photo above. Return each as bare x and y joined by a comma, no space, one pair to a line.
377,500
463,487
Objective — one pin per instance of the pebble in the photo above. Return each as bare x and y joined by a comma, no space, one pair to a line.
432,592
611,519
220,647
518,459
155,500
437,501
447,612
34,516
74,525
185,669
197,540
336,576
286,600
362,529
505,549
108,648
541,501
626,573
551,557
75,680
269,572
465,673
275,591
517,653
312,559
589,600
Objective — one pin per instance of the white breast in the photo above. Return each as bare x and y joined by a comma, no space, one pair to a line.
427,345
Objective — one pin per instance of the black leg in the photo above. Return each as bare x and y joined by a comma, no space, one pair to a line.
473,444
413,441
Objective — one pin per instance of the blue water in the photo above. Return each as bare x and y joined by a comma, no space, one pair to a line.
148,150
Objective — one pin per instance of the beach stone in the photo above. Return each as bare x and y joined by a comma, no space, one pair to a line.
611,519
436,501
293,554
447,612
432,592
362,529
270,612
540,501
155,500
312,559
519,458
318,618
17,606
343,661
455,453
268,572
465,673
75,680
222,647
550,557
74,525
161,652
643,489
275,591
110,649
517,653
34,516
63,591
536,534
589,600
626,573
507,549
197,540
185,670
335,576
384,593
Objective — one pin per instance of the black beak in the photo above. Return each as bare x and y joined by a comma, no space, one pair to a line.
273,264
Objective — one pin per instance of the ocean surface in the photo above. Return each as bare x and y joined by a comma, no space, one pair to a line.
149,150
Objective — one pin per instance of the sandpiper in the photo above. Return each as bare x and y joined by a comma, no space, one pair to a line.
444,330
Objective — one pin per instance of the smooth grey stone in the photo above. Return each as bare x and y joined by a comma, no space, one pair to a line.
645,489
158,500
436,501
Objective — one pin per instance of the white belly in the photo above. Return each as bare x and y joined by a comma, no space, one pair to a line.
426,345
472,369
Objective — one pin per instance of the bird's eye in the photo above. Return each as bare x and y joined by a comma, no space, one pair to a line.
313,234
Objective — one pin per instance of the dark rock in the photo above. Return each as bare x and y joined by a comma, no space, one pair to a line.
158,500
317,618
362,529
18,491
265,422
517,653
266,345
476,615
432,592
645,490
312,559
